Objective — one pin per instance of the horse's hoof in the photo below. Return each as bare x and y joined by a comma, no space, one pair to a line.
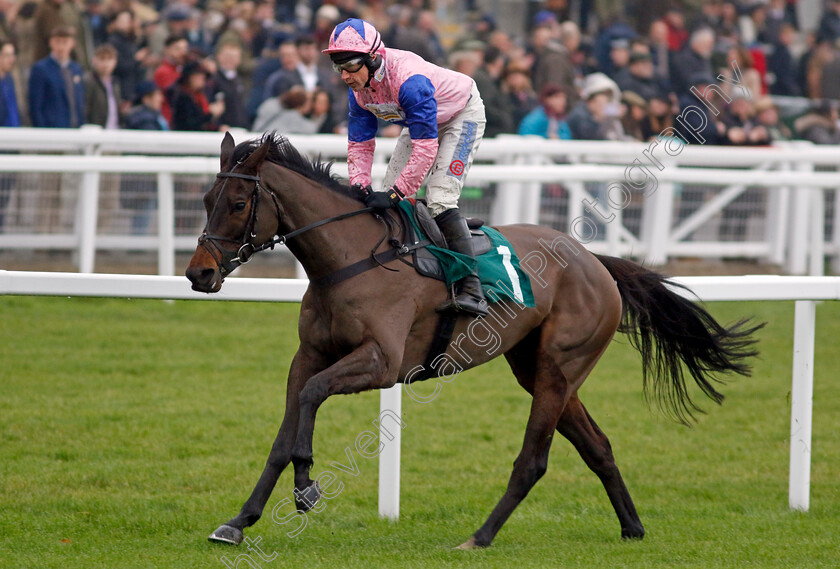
306,499
227,534
470,544
633,533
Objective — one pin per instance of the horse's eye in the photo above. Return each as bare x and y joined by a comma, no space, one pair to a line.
239,206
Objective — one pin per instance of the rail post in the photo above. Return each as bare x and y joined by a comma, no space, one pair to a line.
87,214
166,224
801,402
389,459
778,211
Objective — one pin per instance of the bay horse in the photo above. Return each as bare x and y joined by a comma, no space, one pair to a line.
368,331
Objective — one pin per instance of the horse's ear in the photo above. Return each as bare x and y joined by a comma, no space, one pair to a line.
257,157
227,150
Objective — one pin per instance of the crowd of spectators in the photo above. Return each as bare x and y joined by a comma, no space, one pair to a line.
618,70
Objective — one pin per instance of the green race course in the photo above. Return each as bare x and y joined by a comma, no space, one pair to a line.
131,429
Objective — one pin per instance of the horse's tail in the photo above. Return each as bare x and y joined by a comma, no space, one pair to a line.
670,332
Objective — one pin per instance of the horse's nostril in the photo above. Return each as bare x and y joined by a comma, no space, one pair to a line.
199,276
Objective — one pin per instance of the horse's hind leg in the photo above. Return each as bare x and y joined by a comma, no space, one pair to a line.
576,425
553,376
531,463
580,429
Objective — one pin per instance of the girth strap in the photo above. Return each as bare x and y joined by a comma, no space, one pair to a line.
440,342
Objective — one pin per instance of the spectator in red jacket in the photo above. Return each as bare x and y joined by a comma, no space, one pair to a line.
174,53
677,34
190,108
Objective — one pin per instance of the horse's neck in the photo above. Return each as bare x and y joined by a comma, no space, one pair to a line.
332,246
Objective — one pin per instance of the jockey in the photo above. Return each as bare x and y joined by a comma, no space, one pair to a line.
443,118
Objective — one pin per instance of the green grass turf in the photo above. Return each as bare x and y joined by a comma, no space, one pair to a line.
130,429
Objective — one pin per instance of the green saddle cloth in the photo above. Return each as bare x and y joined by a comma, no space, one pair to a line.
498,269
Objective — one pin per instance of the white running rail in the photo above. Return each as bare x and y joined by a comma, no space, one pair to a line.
805,291
797,181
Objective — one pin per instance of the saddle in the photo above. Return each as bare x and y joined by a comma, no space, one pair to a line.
425,263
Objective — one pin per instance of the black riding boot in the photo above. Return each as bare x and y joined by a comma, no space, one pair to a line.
470,297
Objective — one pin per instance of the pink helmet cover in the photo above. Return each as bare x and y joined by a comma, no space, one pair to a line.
354,35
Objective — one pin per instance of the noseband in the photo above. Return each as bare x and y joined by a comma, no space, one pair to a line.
247,248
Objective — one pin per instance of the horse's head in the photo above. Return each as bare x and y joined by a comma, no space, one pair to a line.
241,216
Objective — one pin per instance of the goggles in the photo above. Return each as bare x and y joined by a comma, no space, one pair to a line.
351,66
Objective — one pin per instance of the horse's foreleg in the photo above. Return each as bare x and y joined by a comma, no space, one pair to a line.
594,447
364,368
278,458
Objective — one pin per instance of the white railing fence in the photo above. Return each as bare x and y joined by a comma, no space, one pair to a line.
648,200
805,291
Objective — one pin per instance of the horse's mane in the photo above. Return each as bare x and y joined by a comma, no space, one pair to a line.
282,153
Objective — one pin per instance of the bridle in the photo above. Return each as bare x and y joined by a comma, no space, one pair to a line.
224,258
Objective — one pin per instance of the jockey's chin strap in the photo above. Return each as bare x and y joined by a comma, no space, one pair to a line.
226,262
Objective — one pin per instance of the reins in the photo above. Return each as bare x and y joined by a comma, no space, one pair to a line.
246,246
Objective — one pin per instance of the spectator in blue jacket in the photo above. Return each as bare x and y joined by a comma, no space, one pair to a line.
145,114
783,65
695,123
137,192
9,116
9,109
548,120
56,90
830,22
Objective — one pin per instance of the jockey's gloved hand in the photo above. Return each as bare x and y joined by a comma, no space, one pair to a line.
384,200
364,190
